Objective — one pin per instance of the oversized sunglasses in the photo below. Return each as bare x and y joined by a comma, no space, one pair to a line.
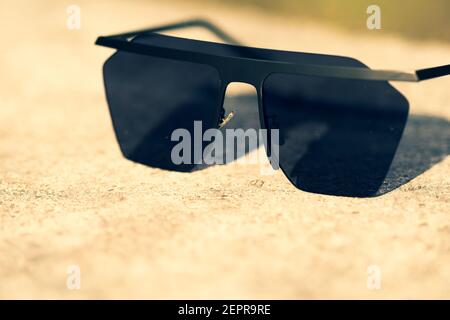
339,122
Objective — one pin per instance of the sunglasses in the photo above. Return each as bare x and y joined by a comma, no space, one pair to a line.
339,122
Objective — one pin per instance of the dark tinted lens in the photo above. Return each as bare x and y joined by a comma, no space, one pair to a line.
151,97
337,136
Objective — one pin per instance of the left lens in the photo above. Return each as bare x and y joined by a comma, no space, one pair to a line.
149,98
337,136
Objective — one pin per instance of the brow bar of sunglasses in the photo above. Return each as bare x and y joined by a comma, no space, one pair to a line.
121,42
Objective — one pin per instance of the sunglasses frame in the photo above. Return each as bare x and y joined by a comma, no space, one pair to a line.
253,70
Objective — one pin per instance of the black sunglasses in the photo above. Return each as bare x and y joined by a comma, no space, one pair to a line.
339,122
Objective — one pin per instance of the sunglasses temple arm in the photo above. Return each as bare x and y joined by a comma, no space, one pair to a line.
380,75
431,73
202,23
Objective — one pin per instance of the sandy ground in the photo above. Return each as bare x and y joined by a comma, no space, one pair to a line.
67,197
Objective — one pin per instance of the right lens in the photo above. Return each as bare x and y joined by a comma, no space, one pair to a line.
337,136
150,97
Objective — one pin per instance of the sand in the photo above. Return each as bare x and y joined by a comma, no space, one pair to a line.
68,197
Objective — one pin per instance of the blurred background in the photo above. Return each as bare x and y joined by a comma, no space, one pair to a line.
420,19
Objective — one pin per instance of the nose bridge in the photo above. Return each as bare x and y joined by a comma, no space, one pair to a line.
228,85
239,79
240,106
241,103
241,73
242,79
241,89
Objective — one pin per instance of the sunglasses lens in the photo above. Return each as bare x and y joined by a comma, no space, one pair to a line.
149,98
337,136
